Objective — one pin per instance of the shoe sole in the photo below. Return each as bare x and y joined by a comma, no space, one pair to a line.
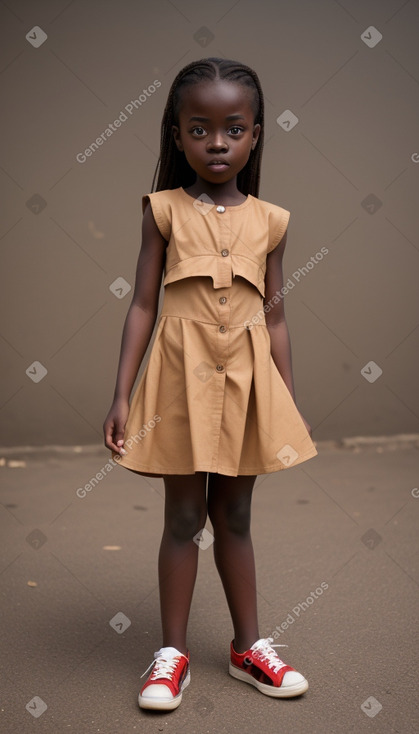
161,704
288,692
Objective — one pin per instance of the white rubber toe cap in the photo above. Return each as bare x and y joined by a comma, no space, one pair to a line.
159,691
292,678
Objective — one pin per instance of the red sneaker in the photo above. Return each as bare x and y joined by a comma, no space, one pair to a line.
164,686
261,667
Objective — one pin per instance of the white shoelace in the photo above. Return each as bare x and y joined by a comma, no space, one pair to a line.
264,647
164,666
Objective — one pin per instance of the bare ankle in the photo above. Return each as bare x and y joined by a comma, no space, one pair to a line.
242,644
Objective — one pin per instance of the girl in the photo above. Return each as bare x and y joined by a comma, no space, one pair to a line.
215,405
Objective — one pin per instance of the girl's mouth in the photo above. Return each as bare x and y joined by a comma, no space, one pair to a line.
218,165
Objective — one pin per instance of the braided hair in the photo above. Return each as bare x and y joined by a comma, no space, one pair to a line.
173,170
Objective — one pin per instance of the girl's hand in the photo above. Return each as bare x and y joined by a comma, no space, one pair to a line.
307,425
114,426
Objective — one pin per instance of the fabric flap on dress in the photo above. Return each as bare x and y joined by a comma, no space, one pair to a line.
215,266
251,270
220,269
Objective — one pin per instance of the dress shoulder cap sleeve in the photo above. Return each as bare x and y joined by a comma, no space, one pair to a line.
161,208
278,223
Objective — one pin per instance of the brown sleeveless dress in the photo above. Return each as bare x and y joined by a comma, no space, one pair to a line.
211,397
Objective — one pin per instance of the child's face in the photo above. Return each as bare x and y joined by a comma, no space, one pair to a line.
216,129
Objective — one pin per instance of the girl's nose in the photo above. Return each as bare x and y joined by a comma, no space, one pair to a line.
218,143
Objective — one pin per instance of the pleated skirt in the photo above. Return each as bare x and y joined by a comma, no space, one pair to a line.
211,398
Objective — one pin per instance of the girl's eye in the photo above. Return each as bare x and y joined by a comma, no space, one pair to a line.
236,130
199,131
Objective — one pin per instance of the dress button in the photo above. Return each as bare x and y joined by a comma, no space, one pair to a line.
223,299
224,253
221,209
219,368
222,328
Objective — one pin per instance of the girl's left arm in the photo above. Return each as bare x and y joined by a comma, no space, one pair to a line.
275,317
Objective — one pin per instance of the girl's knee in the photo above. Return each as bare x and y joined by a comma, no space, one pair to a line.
184,523
238,520
185,505
235,518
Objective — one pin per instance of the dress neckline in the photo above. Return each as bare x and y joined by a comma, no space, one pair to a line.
234,206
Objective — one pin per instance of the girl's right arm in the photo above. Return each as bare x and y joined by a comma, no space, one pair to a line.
138,328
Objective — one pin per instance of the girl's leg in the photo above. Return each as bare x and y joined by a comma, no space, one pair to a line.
229,501
185,514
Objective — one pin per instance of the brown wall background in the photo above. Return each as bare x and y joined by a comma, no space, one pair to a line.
347,171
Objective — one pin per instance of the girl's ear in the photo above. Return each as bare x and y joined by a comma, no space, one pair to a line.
256,133
176,137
